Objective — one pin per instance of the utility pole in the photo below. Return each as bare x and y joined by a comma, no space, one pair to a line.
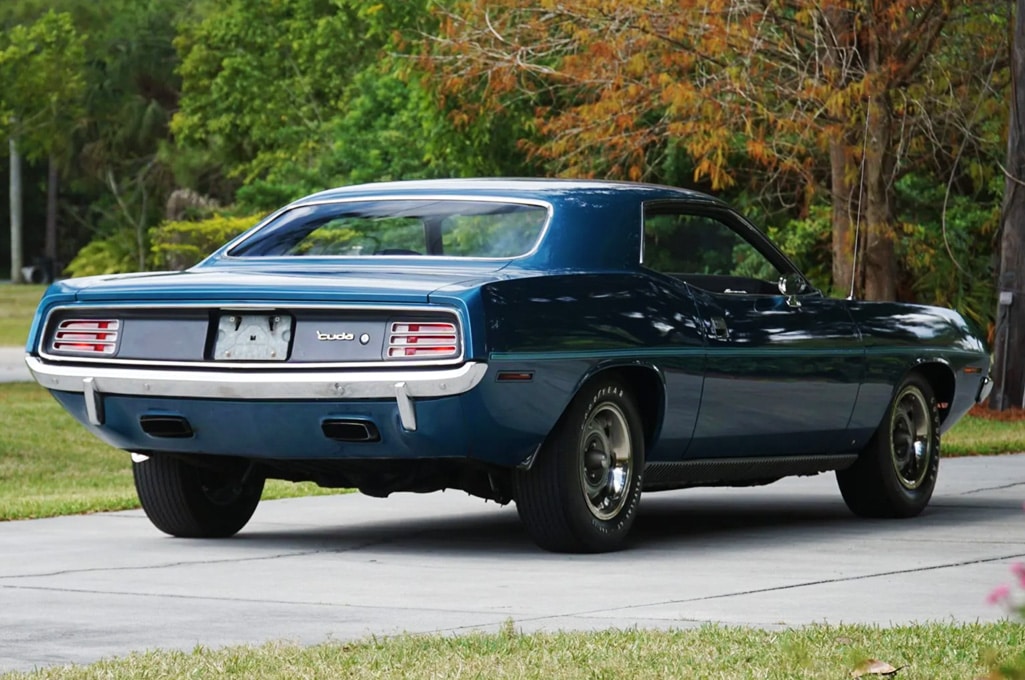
16,212
1008,369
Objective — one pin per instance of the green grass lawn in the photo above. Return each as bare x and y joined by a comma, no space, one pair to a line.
929,652
17,305
51,465
978,435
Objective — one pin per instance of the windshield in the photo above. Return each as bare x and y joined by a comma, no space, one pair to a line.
479,229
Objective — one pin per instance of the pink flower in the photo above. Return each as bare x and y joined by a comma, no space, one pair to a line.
1000,594
1018,569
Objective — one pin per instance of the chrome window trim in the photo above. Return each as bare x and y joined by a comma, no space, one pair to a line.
391,364
242,238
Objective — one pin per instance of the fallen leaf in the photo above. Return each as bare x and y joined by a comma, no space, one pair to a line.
874,667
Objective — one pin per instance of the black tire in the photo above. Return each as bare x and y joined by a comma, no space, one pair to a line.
896,473
582,492
189,501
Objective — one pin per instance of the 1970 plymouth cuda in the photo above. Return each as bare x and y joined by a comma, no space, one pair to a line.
564,345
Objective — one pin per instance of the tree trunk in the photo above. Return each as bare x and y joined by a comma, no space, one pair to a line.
838,29
1008,369
52,179
16,212
880,259
843,235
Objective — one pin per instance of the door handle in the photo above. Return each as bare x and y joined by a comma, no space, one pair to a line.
719,329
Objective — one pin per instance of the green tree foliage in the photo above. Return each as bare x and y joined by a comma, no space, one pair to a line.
108,141
261,79
294,96
945,247
42,83
134,89
41,86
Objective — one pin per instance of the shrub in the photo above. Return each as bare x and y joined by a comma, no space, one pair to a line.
178,245
112,254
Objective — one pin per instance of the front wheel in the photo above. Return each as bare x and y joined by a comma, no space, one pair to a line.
190,501
582,493
896,473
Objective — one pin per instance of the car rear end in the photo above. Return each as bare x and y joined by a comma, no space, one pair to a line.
340,342
278,379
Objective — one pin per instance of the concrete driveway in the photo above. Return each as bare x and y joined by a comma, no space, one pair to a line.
75,589
12,365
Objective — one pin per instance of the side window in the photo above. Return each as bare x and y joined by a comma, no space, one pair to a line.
707,253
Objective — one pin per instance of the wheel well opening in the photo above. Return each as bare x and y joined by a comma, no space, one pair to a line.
941,378
649,393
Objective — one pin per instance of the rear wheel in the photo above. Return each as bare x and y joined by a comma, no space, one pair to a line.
190,501
582,493
896,473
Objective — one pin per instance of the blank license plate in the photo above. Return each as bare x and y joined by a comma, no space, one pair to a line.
253,337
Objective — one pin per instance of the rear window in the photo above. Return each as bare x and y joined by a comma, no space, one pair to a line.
400,228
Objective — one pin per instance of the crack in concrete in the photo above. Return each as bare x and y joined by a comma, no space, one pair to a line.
848,579
992,488
187,563
792,586
242,600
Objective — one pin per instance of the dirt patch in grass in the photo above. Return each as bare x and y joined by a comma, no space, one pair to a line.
1011,415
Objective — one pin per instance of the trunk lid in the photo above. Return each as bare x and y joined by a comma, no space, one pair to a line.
363,284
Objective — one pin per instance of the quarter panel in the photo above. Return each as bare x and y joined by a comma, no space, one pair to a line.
900,336
589,322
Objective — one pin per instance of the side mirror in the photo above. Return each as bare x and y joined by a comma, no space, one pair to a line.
791,285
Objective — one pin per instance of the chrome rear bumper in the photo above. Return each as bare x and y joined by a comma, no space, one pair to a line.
211,383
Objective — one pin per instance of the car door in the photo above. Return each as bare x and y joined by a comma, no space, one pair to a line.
781,373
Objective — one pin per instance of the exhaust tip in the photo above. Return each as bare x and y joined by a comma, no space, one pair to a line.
350,430
166,427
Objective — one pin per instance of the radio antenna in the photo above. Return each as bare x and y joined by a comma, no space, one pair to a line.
861,197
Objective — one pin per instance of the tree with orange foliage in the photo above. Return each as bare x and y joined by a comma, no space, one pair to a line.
833,92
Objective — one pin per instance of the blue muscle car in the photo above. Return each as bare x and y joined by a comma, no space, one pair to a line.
564,345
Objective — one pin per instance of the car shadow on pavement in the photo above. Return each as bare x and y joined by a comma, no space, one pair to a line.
676,520
666,521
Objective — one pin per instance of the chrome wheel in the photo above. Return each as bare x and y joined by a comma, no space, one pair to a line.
911,438
582,492
606,461
895,474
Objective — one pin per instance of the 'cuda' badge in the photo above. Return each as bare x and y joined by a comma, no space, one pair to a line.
335,336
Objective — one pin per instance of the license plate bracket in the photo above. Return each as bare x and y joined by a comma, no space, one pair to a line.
253,337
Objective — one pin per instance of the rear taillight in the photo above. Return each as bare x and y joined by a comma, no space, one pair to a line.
422,340
86,336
